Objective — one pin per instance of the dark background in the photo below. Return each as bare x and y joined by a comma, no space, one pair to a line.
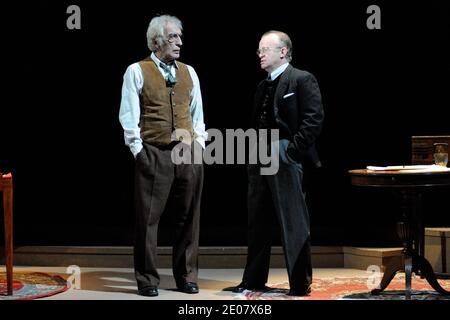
61,138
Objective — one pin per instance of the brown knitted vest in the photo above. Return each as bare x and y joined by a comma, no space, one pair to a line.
164,109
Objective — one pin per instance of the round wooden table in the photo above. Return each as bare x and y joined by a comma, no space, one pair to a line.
410,185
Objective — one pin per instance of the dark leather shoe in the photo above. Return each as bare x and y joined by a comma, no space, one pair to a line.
245,286
300,292
151,291
189,287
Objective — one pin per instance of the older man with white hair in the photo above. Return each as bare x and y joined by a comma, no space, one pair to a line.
160,97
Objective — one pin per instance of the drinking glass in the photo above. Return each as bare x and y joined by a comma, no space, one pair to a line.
440,154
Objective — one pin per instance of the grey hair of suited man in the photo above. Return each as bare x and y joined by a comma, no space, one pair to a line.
285,41
156,32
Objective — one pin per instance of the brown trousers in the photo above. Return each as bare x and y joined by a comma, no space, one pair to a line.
162,187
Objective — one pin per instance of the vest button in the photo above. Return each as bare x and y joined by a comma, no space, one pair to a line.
180,138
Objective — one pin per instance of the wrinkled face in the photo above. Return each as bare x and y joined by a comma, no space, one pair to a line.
170,50
270,52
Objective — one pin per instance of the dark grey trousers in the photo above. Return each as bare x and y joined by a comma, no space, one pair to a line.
278,199
161,187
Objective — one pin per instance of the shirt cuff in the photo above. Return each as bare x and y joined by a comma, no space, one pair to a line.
201,141
136,148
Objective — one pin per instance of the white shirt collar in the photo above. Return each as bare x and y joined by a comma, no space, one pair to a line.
158,61
274,74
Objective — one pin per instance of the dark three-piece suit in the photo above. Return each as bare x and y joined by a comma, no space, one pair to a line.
292,104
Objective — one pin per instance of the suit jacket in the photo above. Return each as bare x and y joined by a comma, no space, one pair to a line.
298,112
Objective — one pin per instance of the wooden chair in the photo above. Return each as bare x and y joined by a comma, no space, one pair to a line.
6,186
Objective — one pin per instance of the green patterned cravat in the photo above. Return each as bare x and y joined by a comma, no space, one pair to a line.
170,80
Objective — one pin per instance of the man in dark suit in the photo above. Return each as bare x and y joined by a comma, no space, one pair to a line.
289,100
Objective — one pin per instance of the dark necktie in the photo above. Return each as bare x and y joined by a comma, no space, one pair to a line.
170,80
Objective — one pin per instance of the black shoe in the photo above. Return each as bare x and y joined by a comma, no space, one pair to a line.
300,292
150,291
189,287
245,286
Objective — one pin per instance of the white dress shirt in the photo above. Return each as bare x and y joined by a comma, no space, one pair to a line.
275,73
129,114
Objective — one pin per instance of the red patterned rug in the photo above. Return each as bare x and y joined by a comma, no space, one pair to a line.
352,288
32,285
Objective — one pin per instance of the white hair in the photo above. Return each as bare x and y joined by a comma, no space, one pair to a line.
156,31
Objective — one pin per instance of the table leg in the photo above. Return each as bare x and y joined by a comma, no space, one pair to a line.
389,274
419,240
408,275
427,270
410,231
442,275
7,204
408,236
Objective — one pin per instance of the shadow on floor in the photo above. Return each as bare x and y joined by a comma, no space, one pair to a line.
124,282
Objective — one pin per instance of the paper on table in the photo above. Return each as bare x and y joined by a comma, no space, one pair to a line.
432,167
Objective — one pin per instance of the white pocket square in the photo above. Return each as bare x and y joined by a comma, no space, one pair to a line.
288,95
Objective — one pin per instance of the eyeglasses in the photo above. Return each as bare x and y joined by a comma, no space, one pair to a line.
171,37
265,50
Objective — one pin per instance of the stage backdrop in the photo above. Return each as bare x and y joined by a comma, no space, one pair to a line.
61,89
